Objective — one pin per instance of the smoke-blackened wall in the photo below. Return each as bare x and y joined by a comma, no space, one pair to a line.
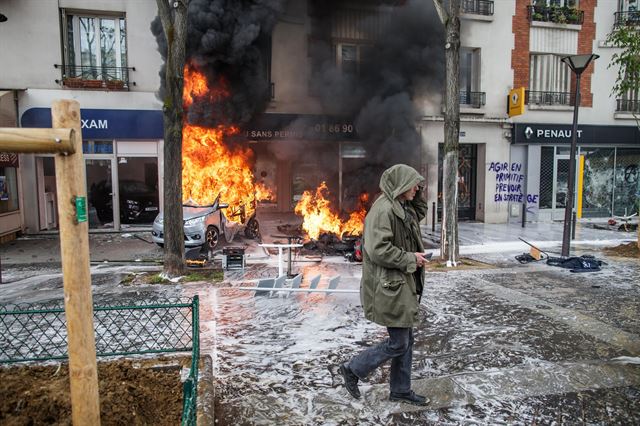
226,40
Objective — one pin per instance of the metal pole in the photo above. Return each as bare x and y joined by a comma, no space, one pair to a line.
433,217
573,226
524,213
289,263
568,208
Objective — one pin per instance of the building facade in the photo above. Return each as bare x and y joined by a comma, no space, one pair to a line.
106,57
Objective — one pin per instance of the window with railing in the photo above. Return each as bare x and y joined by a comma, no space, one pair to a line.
628,13
549,82
556,11
477,7
94,50
470,94
630,102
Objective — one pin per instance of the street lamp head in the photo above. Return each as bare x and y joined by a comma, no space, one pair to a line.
579,63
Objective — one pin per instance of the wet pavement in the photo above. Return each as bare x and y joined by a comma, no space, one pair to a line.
512,344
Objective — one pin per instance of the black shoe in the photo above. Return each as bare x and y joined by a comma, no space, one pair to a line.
350,381
410,398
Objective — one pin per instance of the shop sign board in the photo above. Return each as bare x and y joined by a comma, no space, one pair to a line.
516,102
557,134
106,123
300,126
8,159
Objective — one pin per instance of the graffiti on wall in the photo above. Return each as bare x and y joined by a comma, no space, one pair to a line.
510,181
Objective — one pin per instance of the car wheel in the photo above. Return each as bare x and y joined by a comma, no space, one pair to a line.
253,229
212,237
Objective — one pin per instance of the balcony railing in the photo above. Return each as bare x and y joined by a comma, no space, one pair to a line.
627,18
477,7
472,99
87,77
548,98
556,14
628,105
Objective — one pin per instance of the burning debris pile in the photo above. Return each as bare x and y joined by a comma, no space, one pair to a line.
319,216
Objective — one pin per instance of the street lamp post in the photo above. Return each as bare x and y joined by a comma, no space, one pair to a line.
577,63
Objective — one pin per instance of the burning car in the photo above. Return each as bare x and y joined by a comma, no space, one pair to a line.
204,226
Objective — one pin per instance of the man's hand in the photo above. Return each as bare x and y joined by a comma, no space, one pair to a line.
420,259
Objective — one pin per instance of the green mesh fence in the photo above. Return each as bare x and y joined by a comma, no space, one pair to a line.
37,332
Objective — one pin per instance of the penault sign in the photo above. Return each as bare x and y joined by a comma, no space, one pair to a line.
553,134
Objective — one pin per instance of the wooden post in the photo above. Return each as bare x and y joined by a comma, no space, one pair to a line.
74,251
66,140
14,139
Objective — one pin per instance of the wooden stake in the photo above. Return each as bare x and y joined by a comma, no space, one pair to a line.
74,250
14,139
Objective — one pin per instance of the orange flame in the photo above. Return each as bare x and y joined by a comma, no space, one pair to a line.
263,193
319,216
209,167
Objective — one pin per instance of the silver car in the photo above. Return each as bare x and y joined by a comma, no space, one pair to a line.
203,225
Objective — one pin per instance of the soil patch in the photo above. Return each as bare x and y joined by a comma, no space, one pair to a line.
464,264
213,276
623,250
132,392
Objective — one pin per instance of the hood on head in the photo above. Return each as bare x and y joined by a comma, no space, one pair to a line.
398,179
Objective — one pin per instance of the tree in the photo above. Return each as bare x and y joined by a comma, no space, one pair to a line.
173,16
449,14
627,84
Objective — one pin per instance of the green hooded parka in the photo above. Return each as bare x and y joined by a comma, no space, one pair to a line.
391,282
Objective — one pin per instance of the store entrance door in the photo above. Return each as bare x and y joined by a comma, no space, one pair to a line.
560,186
100,193
467,159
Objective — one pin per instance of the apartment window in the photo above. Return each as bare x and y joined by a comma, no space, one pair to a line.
550,80
349,56
628,13
95,46
628,5
557,11
630,102
470,78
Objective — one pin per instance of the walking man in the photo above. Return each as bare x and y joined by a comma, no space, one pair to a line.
392,281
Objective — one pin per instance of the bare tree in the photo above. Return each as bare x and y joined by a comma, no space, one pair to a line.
449,13
173,16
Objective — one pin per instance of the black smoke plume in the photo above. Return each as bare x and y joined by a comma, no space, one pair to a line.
404,66
226,40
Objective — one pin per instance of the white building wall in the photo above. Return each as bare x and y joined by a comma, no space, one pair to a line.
31,44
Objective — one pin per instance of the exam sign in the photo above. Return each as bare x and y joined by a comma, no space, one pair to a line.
516,102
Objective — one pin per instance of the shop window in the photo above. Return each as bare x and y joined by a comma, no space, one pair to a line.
8,190
627,182
97,147
597,181
138,189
